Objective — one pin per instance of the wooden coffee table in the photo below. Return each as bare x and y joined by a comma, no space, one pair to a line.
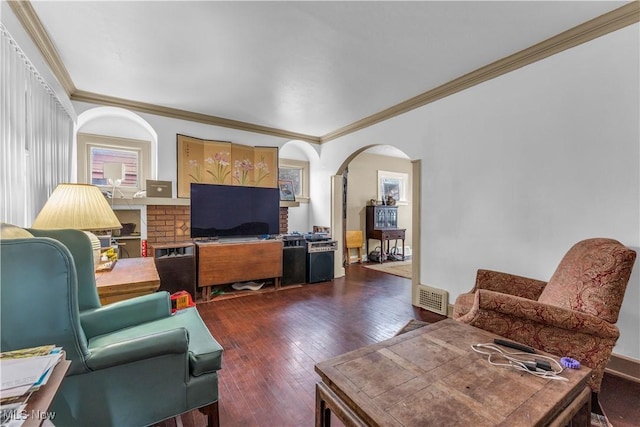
432,377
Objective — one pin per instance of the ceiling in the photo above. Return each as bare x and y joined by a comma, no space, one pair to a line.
305,67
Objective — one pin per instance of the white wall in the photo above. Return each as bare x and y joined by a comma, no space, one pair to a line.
300,218
517,169
168,128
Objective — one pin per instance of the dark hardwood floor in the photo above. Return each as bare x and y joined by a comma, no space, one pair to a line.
273,340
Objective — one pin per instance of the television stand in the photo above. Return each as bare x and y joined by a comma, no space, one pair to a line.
223,263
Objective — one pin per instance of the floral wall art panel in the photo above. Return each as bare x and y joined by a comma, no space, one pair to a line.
242,164
219,162
190,155
202,161
266,167
254,166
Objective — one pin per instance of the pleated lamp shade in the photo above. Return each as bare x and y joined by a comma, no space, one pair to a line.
78,206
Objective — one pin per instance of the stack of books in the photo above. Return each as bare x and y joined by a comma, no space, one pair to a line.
23,373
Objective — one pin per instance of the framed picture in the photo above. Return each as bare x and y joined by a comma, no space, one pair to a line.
287,193
392,184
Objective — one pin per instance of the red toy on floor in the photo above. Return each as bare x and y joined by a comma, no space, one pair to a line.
180,300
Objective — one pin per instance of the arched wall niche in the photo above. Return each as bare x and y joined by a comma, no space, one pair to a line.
299,150
301,217
119,123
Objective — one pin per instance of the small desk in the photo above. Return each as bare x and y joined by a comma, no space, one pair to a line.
431,375
38,404
385,236
130,277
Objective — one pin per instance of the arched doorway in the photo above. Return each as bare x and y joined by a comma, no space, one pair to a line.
348,211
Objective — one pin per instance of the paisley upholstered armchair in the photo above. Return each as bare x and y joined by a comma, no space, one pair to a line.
574,314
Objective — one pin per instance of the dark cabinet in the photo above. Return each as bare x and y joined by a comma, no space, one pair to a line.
176,265
382,217
382,225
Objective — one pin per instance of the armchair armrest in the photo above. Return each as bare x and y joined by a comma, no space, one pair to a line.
556,330
545,314
123,314
511,284
141,348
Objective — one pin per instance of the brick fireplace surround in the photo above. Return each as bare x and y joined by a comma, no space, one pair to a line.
170,223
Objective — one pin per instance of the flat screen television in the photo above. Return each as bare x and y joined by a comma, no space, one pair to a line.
234,211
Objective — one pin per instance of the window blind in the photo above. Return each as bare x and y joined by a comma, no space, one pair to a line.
37,137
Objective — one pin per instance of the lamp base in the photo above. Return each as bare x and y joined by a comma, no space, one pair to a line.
95,246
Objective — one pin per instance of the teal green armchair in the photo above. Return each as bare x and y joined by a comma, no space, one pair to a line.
133,363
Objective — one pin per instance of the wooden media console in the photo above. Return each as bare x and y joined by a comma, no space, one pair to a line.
222,263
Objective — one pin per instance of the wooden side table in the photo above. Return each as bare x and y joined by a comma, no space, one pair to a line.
130,277
37,409
384,236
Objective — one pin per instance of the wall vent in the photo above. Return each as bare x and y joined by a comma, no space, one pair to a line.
433,299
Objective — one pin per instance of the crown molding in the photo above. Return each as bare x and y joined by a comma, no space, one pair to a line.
617,19
31,23
33,26
84,96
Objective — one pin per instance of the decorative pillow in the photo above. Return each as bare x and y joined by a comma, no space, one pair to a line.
592,278
9,231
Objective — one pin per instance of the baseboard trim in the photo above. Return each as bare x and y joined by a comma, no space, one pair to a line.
450,310
620,366
625,367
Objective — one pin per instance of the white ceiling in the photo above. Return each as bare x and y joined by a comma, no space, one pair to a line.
307,67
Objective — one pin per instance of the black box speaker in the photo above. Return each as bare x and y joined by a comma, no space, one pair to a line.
319,266
294,267
177,268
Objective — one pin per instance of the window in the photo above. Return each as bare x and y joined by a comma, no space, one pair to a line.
296,171
101,155
95,151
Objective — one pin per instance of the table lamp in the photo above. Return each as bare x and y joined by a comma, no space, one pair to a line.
81,207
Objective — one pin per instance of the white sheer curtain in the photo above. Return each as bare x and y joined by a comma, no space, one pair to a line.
37,137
